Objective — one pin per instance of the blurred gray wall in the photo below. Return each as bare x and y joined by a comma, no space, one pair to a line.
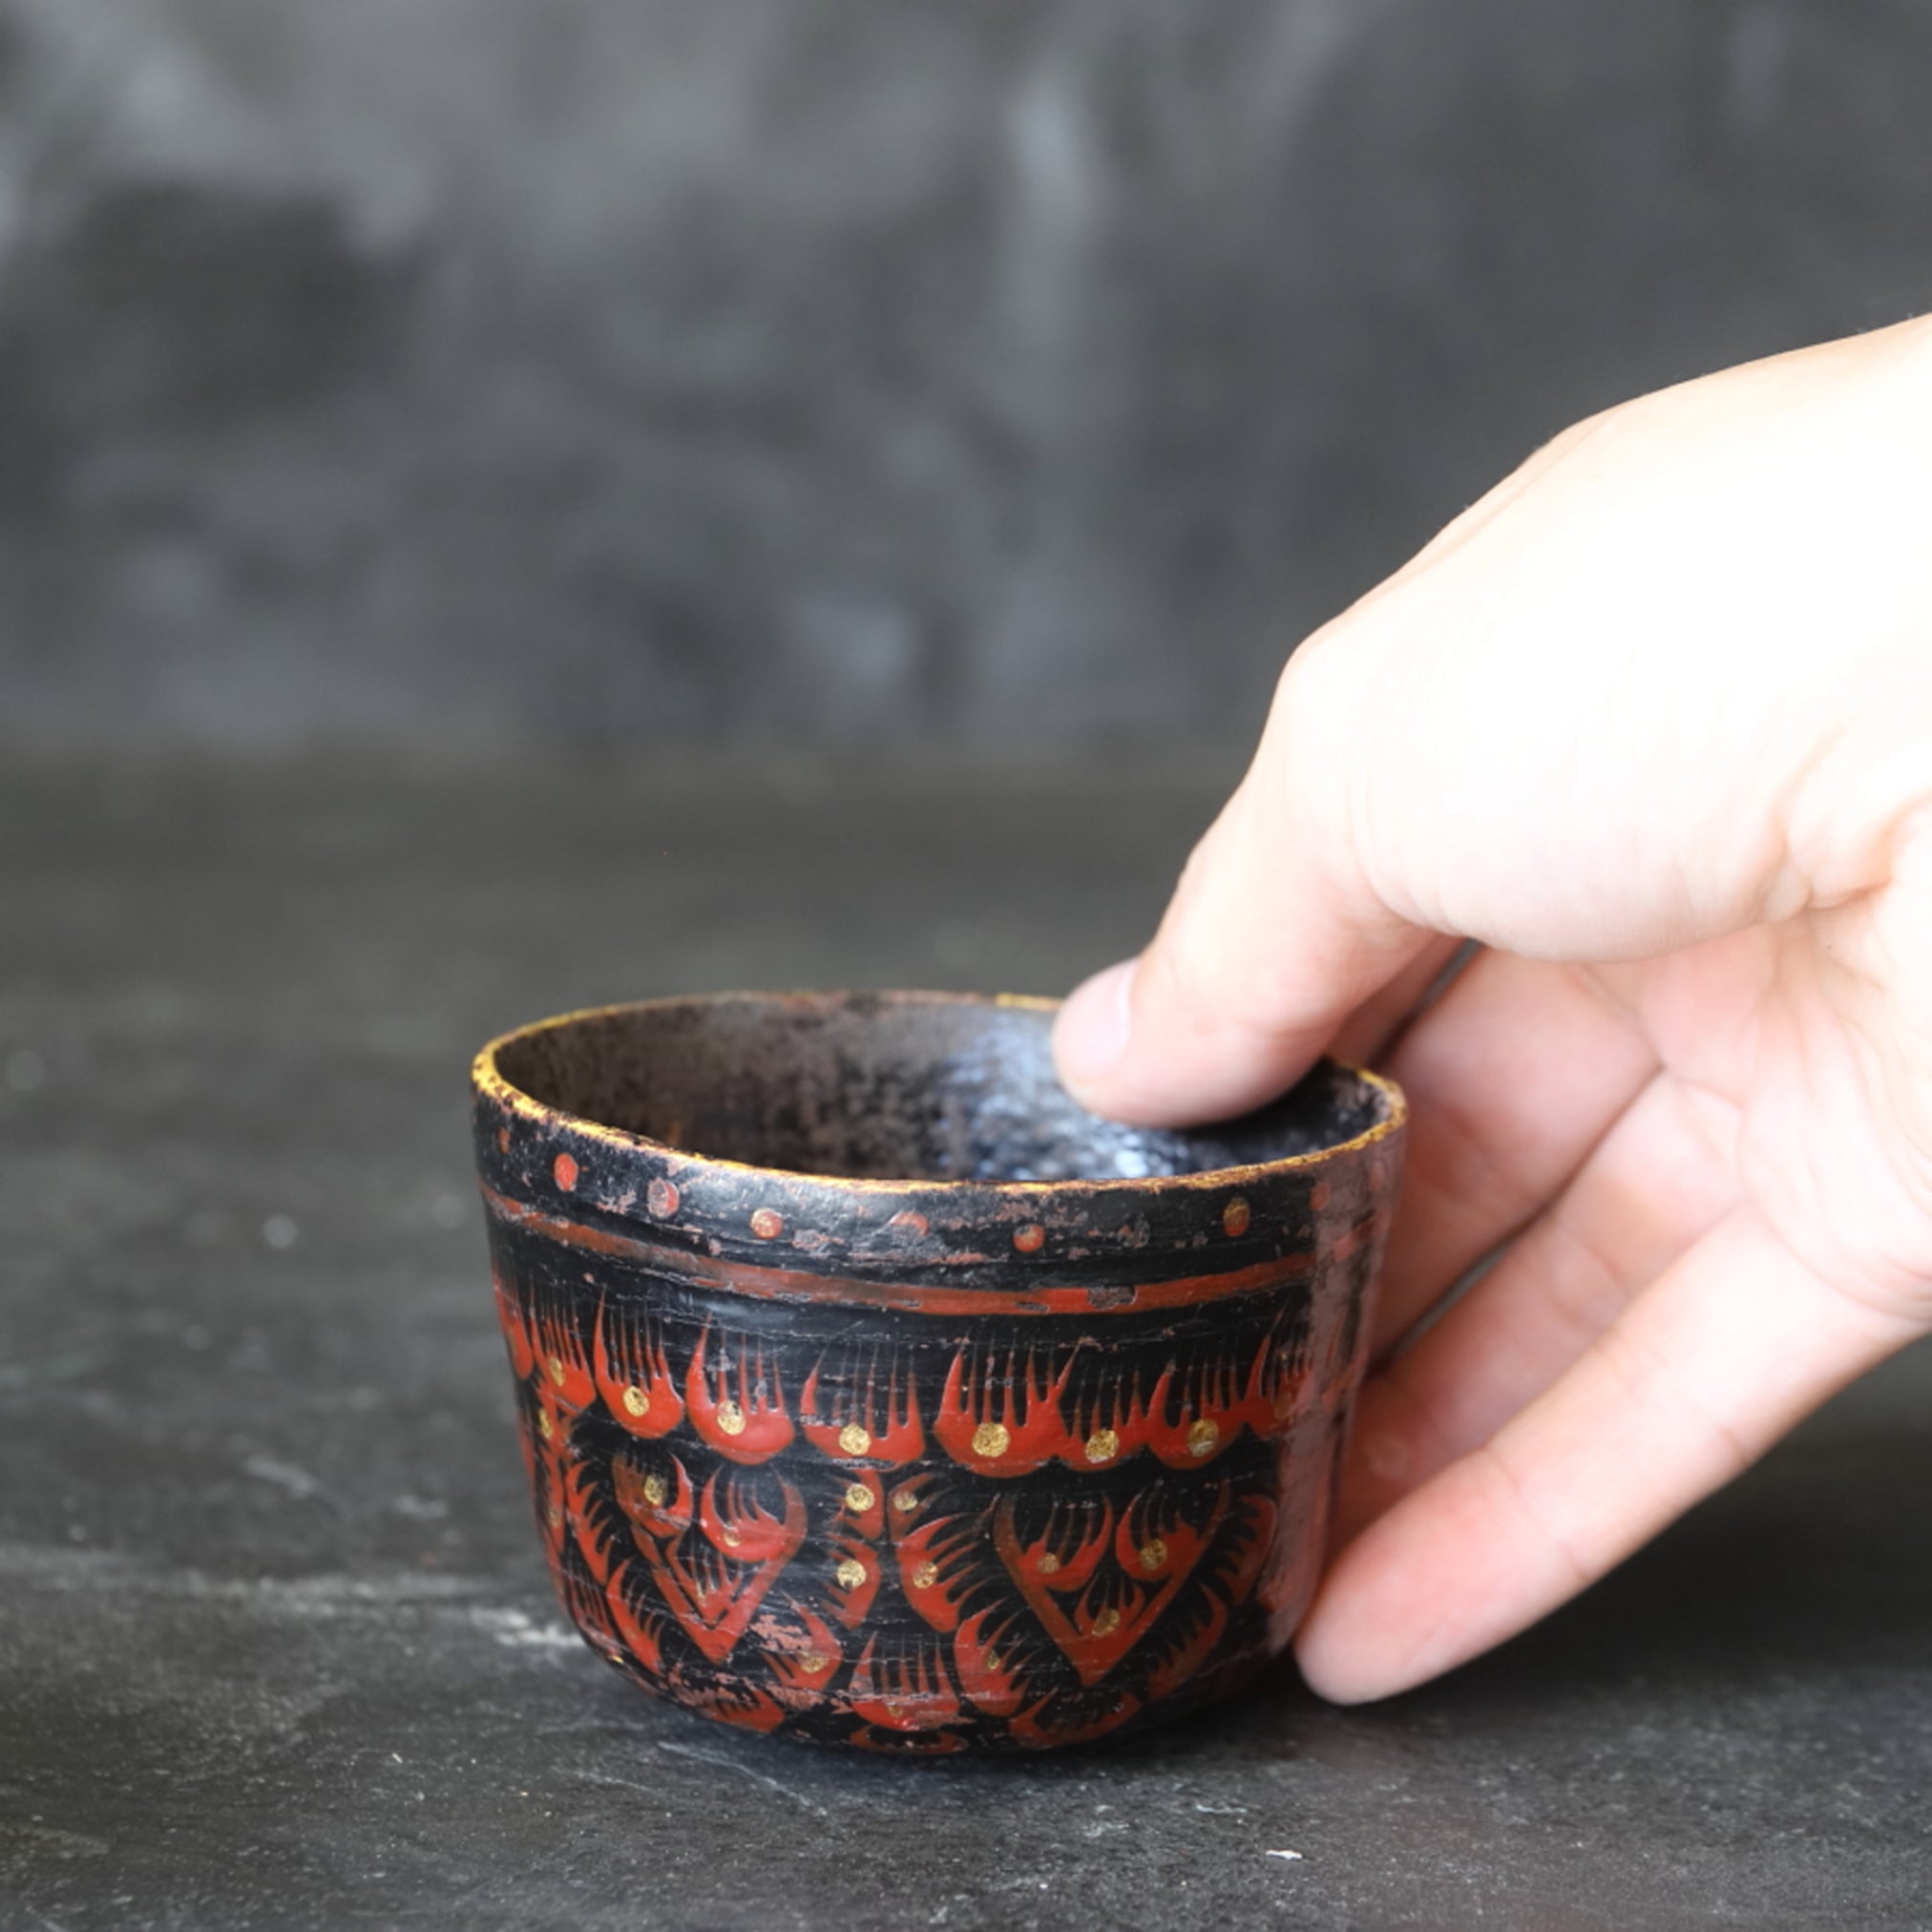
610,370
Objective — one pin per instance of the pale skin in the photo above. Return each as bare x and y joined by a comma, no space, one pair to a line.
1653,722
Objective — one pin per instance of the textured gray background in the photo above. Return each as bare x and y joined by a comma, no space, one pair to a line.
463,369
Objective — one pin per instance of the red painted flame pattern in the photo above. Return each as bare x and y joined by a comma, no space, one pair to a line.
745,1705
987,1649
935,1561
1037,1728
713,1583
562,1368
634,1376
887,1417
910,1590
906,1690
1005,1417
741,1416
856,1574
1097,1621
1002,1420
509,1319
803,1656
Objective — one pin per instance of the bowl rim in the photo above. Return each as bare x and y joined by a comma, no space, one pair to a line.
488,1081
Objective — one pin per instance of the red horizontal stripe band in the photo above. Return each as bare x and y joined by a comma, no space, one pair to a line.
785,1284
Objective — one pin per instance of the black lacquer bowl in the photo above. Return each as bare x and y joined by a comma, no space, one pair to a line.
874,1394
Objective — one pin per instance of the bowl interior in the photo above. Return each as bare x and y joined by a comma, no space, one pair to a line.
885,1087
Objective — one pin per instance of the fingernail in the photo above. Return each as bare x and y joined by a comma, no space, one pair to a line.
1091,1033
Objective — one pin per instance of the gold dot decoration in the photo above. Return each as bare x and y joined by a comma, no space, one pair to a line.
991,1440
1235,1217
545,1427
553,1516
813,1662
635,1401
1202,1437
994,1661
1029,1238
850,1573
554,1368
1103,1446
731,1419
926,1575
1047,1565
655,1491
1153,1553
858,1498
1106,1623
854,1441
767,1224
731,1536
905,1500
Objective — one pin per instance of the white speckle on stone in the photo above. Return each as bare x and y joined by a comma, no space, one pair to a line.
279,1231
514,1631
286,1476
1295,1856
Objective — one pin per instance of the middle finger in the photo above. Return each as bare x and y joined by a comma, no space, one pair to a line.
1513,1076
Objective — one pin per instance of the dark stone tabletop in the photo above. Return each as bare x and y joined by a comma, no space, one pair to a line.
276,1647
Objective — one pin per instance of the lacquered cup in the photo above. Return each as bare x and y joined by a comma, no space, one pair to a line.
874,1394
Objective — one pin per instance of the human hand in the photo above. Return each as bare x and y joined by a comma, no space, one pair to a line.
1653,723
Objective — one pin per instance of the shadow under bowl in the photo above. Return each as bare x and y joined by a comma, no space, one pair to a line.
873,1393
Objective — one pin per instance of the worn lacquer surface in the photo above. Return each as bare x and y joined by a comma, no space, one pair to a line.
927,1465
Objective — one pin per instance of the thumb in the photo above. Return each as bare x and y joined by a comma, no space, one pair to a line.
1274,935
